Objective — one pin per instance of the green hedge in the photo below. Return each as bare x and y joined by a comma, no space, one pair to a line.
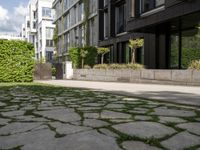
74,54
16,61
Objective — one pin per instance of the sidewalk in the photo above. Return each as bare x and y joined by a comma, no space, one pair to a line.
168,93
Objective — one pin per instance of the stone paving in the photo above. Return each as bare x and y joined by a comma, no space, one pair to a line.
40,117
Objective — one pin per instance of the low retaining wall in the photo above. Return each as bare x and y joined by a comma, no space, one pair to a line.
175,77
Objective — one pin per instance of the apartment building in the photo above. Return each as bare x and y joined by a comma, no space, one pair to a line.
113,19
77,24
39,28
170,29
174,29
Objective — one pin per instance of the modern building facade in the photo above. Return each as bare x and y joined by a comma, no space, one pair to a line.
113,33
170,28
39,28
174,26
77,24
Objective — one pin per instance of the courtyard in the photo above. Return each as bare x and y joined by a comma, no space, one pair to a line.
43,117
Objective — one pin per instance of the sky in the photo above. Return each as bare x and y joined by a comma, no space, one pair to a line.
12,14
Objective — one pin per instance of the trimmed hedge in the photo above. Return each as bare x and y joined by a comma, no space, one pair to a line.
119,66
74,53
16,61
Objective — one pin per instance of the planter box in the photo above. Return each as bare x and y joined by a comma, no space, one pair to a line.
165,75
172,77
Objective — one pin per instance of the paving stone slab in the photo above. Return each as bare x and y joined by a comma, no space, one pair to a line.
31,119
112,115
108,132
91,115
181,141
4,121
13,113
94,123
67,128
93,104
130,99
192,127
14,128
163,111
65,115
198,119
90,140
121,120
137,112
89,108
171,120
40,139
143,118
2,104
144,129
114,106
135,145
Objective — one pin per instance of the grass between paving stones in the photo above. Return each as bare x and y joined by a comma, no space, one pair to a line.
193,147
16,148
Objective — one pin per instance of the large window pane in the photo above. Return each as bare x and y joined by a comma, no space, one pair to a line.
190,46
147,5
46,12
174,53
120,18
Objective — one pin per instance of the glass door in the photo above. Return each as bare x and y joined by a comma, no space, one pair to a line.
174,51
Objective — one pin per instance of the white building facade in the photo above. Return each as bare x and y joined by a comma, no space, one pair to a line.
39,28
10,37
70,20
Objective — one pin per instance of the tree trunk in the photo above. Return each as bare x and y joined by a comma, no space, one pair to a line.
133,57
102,58
82,63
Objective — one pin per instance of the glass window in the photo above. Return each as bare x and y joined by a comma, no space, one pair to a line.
46,12
28,24
120,18
106,27
190,46
147,5
49,33
189,50
174,58
49,43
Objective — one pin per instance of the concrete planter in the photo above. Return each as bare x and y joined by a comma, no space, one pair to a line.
175,77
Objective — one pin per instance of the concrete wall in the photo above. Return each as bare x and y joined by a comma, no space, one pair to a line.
174,77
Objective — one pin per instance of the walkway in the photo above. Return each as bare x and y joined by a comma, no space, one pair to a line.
40,117
175,94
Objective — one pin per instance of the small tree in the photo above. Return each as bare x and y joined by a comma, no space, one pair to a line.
134,44
83,54
102,51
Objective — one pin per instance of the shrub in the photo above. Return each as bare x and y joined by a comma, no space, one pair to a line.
87,67
75,56
17,61
91,56
117,66
53,70
101,66
134,66
195,65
